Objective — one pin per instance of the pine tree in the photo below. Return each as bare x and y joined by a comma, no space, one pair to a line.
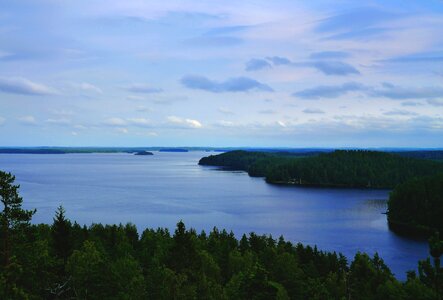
12,217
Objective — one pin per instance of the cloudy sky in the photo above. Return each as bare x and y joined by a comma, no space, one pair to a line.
221,73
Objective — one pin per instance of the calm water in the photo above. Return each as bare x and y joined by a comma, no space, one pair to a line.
159,190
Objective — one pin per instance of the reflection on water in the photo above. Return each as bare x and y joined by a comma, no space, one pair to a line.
159,190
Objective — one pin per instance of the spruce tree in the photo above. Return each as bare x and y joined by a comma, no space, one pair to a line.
61,235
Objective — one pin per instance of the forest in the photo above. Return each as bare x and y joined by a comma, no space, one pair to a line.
65,260
416,206
341,168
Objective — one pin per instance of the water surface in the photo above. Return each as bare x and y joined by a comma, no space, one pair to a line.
158,191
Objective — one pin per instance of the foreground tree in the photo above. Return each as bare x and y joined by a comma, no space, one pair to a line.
432,275
61,235
13,221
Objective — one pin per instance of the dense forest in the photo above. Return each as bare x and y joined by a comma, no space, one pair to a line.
424,154
67,261
416,206
256,163
341,168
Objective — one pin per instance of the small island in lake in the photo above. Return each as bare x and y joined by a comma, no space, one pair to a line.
143,153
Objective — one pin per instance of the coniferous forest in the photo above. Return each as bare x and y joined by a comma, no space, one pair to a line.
65,260
416,206
341,168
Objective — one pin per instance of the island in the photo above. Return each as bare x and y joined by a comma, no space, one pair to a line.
341,168
143,153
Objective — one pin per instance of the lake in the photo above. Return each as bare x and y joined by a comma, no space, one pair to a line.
158,191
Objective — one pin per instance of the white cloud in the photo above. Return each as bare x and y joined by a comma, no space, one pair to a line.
225,111
87,87
282,124
133,97
435,102
224,123
142,88
5,54
411,103
150,133
81,127
338,125
193,123
140,122
127,122
23,86
174,119
62,112
2,121
60,121
122,130
188,123
267,112
119,122
142,108
400,112
114,122
313,111
28,120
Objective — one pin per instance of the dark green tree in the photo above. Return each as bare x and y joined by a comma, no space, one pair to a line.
13,221
89,271
61,235
432,275
12,217
183,254
367,275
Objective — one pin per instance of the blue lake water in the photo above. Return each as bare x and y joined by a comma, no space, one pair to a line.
158,191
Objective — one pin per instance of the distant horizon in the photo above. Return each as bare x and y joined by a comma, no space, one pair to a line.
224,147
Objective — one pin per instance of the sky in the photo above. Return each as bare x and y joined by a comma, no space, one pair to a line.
221,73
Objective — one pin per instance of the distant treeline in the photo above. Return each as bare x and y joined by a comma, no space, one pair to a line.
416,206
30,151
424,154
341,168
65,150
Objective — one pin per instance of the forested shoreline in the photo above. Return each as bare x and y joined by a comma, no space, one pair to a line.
64,260
416,206
341,168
